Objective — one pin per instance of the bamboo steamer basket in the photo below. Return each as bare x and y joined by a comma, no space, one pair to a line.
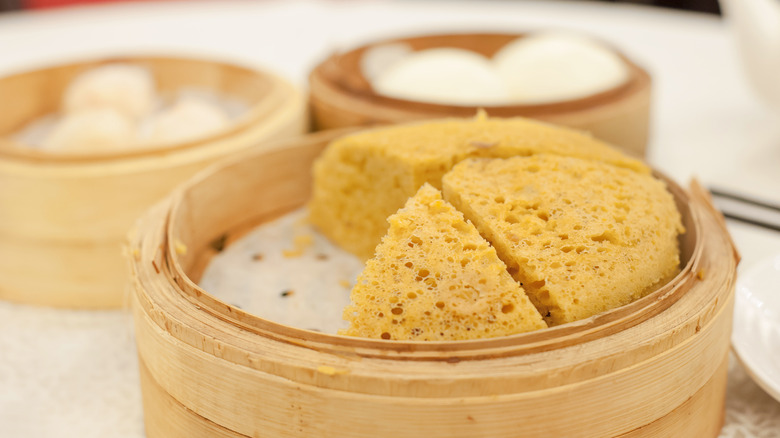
653,368
340,96
64,218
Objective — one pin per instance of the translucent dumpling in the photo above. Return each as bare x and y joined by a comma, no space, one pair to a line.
126,88
90,130
187,119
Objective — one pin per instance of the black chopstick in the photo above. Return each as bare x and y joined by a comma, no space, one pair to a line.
742,198
748,203
750,221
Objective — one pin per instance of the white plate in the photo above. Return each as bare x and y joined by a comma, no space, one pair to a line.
756,334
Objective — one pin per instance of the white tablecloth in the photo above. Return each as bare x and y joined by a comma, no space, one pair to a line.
65,373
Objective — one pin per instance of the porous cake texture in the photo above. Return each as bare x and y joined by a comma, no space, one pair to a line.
363,178
434,278
581,236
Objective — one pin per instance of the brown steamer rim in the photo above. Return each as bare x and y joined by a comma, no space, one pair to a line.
342,73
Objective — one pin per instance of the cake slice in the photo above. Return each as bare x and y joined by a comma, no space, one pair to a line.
581,236
434,278
363,178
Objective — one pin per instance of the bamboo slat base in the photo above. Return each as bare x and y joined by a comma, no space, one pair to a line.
166,417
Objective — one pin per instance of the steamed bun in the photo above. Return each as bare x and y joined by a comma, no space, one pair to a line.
557,66
446,76
376,60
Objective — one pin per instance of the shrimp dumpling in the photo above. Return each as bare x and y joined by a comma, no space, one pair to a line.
91,130
187,119
126,88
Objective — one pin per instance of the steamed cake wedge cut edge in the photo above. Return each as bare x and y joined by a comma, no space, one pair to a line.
363,178
434,278
581,236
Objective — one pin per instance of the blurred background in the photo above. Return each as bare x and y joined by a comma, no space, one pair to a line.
710,6
74,373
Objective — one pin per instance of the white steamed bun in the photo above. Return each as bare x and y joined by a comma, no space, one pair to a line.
558,66
445,76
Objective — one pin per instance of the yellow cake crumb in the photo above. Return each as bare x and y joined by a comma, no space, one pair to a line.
331,371
435,278
581,236
300,244
363,178
180,247
292,253
303,240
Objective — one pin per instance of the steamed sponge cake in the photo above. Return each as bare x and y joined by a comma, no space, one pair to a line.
435,278
581,236
363,178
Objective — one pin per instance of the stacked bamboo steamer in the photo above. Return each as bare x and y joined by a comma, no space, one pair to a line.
64,218
342,96
654,368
